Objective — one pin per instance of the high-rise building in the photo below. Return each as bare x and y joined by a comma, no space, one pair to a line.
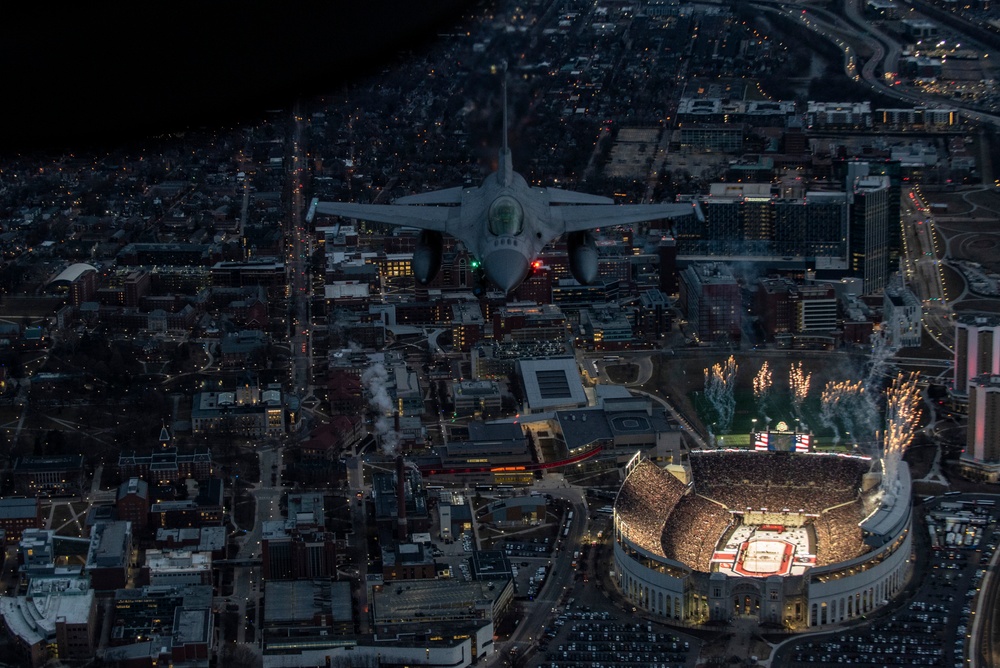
667,253
849,170
710,299
748,220
868,236
786,308
977,349
982,449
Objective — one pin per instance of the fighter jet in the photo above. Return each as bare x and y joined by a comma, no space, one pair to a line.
505,223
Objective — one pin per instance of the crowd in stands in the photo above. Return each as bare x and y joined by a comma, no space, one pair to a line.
656,516
776,481
693,531
838,535
646,498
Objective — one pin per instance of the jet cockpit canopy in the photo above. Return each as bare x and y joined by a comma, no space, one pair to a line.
506,218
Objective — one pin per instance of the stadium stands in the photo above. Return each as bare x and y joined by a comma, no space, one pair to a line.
646,498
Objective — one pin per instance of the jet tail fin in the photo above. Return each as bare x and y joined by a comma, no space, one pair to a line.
505,167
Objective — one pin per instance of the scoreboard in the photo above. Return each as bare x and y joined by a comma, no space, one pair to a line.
782,441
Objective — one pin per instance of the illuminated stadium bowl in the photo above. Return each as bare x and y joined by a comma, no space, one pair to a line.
793,540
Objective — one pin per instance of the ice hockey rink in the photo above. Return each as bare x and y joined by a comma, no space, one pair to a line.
760,551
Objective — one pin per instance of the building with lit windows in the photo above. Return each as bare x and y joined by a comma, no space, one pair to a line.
749,220
78,281
17,515
725,137
393,266
457,611
919,116
839,114
246,411
870,230
141,613
203,509
467,325
606,327
529,322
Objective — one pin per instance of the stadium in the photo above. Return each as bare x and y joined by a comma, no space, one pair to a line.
794,540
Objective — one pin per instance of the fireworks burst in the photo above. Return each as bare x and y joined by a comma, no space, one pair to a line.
762,387
720,382
901,414
798,383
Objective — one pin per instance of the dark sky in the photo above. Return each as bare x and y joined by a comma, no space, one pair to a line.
74,78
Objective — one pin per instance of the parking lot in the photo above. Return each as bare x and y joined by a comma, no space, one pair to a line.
934,627
598,640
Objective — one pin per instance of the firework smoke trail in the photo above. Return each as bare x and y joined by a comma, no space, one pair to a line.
839,403
762,388
720,382
878,360
901,415
376,380
798,384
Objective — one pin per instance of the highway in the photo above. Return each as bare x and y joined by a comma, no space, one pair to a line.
885,54
923,265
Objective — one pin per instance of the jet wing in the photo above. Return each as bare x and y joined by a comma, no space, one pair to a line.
578,218
560,196
446,196
421,217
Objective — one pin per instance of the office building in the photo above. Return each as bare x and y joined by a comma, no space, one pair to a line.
132,503
290,552
307,613
710,300
981,458
868,237
749,220
476,398
977,349
109,555
49,476
17,515
177,567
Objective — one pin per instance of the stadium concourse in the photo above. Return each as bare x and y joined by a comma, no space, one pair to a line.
793,540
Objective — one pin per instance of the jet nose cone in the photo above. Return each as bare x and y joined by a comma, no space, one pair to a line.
506,268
